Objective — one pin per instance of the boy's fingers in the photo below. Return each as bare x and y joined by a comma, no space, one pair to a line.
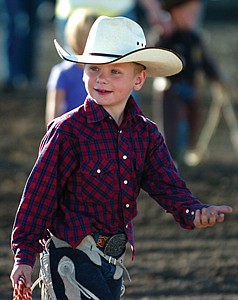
197,219
221,209
225,209
220,218
28,280
213,218
205,218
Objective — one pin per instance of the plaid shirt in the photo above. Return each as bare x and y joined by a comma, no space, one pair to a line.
88,176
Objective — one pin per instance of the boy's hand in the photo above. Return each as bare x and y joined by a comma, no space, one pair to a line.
211,215
21,270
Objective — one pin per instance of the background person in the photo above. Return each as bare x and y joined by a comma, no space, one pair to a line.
22,25
181,99
65,87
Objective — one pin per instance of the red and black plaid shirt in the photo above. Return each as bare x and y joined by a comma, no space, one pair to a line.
88,176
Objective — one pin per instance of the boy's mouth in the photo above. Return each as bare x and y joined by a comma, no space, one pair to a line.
101,91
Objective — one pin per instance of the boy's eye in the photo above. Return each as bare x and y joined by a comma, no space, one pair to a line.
94,68
115,71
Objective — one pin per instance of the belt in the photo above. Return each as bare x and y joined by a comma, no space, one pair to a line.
101,240
113,245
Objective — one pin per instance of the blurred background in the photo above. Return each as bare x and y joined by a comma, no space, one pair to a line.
170,263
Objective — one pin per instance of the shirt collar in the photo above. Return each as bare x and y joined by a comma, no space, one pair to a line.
96,113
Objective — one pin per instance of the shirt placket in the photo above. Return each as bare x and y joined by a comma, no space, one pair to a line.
124,162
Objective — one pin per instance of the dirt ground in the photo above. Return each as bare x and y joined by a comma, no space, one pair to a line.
171,263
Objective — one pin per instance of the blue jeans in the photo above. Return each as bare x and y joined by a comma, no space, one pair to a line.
98,279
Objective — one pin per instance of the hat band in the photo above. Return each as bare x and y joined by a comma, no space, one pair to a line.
104,54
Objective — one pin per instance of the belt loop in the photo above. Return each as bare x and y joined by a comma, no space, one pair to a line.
112,260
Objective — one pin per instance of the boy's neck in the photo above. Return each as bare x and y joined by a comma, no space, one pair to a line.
119,119
117,116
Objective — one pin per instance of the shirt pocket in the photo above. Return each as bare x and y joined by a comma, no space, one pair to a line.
99,180
95,168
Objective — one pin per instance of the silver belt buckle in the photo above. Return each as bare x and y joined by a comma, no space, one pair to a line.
116,245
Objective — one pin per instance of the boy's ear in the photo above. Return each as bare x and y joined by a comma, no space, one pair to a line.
140,79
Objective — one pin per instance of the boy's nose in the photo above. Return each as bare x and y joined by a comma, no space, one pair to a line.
101,78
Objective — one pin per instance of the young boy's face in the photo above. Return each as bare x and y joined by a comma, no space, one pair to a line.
110,85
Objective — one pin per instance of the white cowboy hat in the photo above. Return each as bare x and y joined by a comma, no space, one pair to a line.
121,40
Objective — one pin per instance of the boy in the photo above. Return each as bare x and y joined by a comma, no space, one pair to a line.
81,194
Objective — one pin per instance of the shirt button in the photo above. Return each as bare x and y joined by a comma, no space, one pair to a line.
127,226
120,131
124,157
187,211
127,205
192,213
98,171
125,181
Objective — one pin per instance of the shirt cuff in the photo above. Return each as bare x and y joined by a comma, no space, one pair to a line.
25,256
190,215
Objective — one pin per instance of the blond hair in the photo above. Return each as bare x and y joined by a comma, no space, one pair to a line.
78,27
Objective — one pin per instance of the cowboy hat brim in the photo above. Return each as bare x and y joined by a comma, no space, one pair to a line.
158,62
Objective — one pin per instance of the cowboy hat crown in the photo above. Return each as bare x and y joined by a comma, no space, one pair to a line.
121,40
114,37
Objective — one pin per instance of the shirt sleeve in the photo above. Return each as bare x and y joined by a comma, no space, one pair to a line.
40,196
163,183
